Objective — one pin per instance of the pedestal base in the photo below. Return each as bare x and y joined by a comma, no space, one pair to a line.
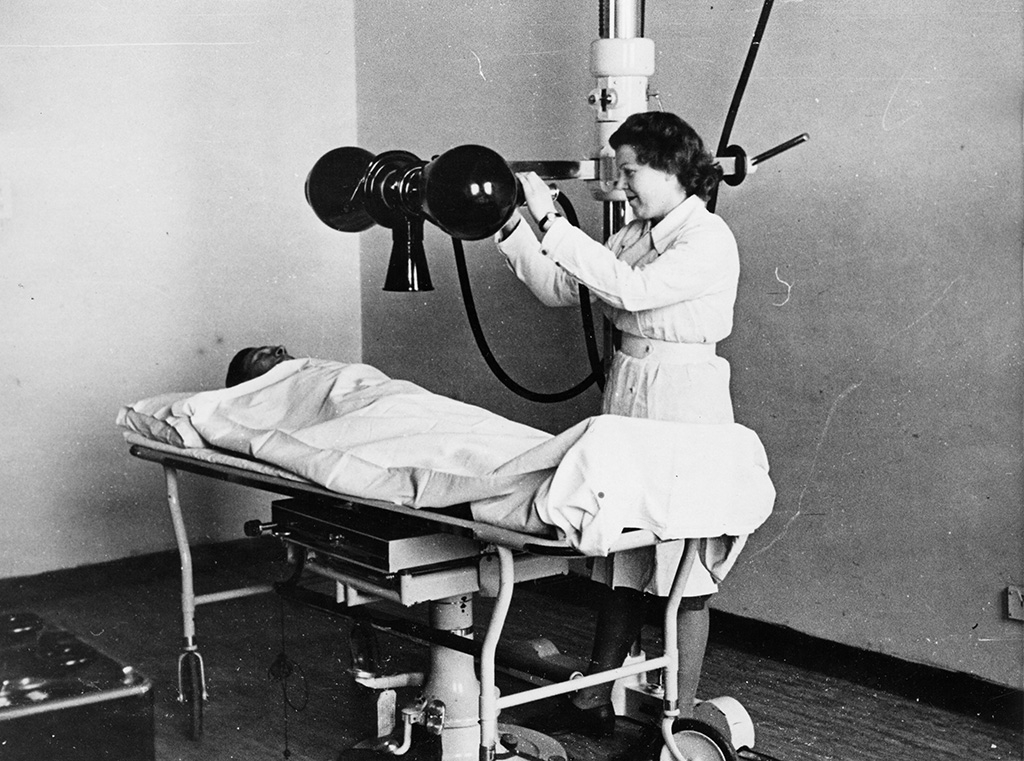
513,743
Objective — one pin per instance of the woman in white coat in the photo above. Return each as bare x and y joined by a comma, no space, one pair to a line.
667,282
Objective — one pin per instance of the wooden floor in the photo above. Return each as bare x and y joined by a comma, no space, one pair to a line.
807,704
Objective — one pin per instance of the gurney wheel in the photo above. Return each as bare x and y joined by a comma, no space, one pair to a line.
698,741
192,693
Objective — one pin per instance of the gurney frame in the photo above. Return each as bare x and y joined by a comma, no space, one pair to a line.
702,739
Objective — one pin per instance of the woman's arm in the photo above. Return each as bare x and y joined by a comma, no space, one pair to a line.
546,280
698,262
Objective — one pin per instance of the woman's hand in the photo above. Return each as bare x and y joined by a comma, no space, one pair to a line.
538,195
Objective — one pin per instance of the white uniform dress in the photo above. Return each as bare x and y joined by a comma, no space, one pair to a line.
670,289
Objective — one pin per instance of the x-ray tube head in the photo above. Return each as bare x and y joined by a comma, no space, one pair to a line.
469,192
334,189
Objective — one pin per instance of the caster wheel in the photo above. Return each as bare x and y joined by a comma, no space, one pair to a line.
190,674
729,717
698,741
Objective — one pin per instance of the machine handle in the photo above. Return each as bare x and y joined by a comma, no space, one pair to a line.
791,143
742,166
256,528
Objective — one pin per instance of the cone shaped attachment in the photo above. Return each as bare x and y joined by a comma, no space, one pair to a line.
407,268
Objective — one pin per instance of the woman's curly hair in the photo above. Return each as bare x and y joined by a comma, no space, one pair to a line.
664,141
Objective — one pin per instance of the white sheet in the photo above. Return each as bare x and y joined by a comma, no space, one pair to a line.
358,432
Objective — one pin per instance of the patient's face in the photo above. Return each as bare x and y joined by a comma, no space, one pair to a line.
262,358
253,362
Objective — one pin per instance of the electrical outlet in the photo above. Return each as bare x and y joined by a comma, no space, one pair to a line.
1015,603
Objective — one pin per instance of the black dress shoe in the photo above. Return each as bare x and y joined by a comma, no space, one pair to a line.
564,717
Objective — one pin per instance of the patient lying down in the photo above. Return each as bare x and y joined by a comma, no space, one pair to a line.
253,362
358,432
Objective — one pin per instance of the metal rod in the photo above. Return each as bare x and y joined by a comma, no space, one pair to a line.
602,677
791,143
233,594
671,681
488,694
354,581
558,170
620,19
188,597
589,169
741,85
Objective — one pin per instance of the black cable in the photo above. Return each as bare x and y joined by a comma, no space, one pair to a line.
741,86
596,374
488,355
586,313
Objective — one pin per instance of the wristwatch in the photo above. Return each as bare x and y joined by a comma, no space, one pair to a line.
547,220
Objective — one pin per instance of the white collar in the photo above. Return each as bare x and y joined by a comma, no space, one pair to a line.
662,234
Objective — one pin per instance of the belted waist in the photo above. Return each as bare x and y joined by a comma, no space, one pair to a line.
665,351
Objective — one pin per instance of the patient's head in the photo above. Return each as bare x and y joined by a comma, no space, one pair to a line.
253,362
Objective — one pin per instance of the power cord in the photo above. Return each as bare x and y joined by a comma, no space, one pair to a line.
596,370
281,670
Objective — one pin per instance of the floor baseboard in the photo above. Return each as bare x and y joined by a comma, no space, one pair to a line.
953,691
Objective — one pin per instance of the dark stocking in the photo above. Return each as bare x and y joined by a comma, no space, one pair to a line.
619,622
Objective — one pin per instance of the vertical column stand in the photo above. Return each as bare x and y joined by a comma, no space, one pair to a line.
453,681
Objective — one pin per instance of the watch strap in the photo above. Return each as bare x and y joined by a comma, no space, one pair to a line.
547,220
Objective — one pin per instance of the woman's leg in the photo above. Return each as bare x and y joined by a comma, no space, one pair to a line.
618,626
589,711
619,622
692,627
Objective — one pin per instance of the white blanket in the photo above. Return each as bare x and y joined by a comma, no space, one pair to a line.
354,430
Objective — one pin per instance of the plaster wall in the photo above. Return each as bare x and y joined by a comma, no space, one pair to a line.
152,159
877,348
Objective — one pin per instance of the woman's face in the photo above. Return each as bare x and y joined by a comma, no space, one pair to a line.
651,192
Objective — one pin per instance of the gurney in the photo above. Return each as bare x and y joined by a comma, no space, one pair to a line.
471,531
